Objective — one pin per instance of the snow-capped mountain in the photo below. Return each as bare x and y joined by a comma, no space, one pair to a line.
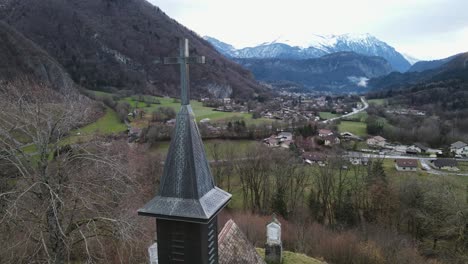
317,46
223,48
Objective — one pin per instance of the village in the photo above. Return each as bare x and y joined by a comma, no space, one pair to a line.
326,144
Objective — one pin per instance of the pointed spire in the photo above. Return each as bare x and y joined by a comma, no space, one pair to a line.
187,191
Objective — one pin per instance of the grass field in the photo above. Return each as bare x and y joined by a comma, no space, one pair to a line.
361,116
327,115
293,258
357,128
377,101
463,166
458,183
201,112
108,124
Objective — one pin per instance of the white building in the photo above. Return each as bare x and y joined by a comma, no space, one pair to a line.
459,148
377,141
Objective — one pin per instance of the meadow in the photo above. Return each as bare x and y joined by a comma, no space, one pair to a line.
357,128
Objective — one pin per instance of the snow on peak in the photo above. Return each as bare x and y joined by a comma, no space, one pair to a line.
324,41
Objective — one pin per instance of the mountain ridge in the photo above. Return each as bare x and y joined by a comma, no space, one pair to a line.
339,72
452,68
365,44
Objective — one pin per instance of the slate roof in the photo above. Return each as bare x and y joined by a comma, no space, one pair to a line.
458,145
408,163
445,163
187,191
379,138
235,248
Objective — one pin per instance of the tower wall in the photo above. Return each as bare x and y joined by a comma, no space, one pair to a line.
185,242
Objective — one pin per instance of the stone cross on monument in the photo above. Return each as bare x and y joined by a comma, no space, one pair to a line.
184,60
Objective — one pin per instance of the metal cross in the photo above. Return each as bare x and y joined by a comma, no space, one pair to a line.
184,60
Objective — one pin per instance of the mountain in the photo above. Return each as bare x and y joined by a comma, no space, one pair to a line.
429,65
223,48
116,43
343,71
456,68
20,58
412,60
317,46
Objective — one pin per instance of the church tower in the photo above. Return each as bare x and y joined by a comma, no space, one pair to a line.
188,202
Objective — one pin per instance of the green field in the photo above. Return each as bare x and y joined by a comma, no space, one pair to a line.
293,258
377,101
361,116
328,115
108,124
357,128
201,112
463,166
458,183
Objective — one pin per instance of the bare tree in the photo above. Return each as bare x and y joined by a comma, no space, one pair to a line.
65,197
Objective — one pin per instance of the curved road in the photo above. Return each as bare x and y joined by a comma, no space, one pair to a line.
355,111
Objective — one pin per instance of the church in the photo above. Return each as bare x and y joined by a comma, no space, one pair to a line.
188,202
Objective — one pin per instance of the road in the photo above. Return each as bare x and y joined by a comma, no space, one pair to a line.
355,111
425,162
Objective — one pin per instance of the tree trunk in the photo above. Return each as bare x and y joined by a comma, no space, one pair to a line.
56,248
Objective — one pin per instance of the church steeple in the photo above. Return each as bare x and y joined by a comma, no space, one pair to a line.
188,201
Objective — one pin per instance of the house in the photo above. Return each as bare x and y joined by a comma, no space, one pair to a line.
331,140
423,148
314,158
357,158
413,149
284,136
325,133
377,141
272,141
459,148
171,122
400,148
446,164
286,143
349,136
406,164
434,153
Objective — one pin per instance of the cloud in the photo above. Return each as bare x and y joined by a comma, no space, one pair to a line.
404,24
359,81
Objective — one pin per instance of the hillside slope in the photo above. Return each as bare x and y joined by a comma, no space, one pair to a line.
421,66
454,69
22,59
115,43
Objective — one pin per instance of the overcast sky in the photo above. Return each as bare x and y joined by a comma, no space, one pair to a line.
425,29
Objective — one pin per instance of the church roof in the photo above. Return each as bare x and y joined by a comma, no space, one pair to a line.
235,248
187,191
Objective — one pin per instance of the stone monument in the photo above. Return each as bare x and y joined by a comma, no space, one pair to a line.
273,246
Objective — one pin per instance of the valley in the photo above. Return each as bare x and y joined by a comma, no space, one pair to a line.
333,148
